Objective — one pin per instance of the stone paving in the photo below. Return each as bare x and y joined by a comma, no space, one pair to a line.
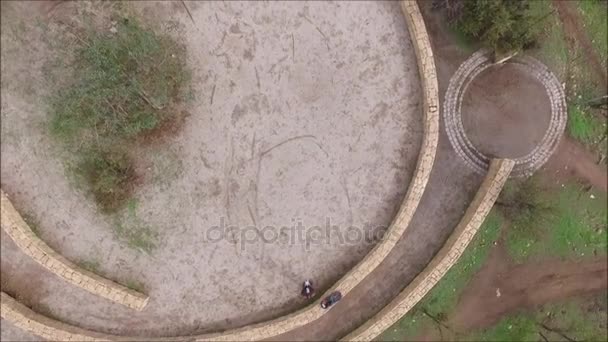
461,80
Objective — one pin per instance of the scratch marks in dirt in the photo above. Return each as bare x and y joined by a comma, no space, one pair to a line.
293,48
213,91
314,138
325,39
188,11
242,170
347,194
257,77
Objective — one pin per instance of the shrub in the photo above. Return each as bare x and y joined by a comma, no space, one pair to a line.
127,82
109,176
500,25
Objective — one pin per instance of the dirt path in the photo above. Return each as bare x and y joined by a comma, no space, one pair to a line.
574,31
502,287
572,160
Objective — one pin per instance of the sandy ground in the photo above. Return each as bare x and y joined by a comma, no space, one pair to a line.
304,112
450,190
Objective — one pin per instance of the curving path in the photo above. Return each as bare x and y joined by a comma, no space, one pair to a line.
14,225
449,254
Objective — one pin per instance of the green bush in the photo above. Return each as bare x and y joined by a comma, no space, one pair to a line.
500,25
109,176
127,82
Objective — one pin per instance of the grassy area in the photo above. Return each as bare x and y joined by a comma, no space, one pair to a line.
565,222
551,45
109,175
595,22
442,298
131,229
127,83
545,222
574,319
569,63
583,126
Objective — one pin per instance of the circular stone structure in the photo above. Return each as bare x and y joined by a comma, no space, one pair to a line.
291,101
524,134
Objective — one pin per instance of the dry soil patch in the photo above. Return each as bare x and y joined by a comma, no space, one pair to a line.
303,112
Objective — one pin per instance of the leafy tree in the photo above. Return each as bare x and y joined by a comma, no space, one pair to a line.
500,25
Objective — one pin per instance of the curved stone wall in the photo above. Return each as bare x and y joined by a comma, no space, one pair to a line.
476,213
30,244
428,78
38,325
49,329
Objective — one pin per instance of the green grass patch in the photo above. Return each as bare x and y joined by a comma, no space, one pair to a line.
595,22
584,126
551,46
546,222
443,297
574,319
127,83
522,327
110,176
131,229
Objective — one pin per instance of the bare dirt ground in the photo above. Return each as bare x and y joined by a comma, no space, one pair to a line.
572,160
523,286
303,112
449,191
501,103
502,287
316,105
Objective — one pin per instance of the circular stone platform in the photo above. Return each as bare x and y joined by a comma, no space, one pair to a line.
304,112
485,117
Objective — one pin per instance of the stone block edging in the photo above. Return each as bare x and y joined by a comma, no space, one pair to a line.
37,324
474,216
30,244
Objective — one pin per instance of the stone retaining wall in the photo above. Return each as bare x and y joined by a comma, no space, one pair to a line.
448,255
49,329
30,244
426,158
